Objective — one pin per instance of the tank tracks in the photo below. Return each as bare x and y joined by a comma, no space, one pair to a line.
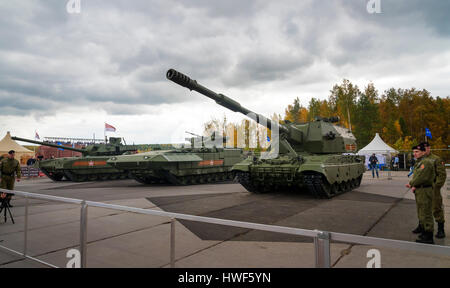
196,179
316,184
94,177
147,179
53,176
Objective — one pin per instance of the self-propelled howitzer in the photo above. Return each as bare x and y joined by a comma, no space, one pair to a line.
90,167
307,155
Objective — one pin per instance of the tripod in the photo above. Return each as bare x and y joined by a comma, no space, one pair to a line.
5,208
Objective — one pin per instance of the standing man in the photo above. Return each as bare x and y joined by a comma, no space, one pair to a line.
9,169
439,181
396,162
422,186
373,161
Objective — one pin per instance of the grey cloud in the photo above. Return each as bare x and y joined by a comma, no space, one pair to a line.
395,13
254,68
116,53
227,9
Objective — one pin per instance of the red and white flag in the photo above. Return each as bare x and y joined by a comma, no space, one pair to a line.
36,136
109,128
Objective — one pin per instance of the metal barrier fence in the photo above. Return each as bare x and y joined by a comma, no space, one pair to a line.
321,238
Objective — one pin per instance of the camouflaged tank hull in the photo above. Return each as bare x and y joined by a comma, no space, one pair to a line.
323,176
180,167
80,169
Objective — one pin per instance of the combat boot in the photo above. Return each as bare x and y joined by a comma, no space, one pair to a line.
426,238
418,230
440,233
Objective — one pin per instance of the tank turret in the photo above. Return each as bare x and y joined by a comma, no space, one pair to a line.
114,147
49,144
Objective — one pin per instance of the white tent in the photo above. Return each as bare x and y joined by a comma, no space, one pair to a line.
379,148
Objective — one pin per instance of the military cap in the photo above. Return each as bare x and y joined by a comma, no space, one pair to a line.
426,144
11,152
420,147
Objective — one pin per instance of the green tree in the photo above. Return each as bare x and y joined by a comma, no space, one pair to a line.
343,101
366,116
314,109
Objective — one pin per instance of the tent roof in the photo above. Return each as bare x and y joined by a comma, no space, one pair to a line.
377,146
7,144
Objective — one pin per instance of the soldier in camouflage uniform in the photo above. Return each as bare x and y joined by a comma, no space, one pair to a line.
439,181
422,186
9,166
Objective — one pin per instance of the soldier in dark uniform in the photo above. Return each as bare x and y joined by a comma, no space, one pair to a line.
439,181
422,187
9,169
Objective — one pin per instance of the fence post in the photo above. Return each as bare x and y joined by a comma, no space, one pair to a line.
322,250
172,243
25,233
83,233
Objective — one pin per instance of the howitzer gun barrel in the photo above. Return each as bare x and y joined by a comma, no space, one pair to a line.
48,144
220,99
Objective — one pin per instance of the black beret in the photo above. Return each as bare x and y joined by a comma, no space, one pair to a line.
426,144
11,152
420,147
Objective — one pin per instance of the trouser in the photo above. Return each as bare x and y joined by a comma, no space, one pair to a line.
374,167
8,183
438,208
424,199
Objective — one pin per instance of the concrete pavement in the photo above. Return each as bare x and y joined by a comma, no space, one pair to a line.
379,208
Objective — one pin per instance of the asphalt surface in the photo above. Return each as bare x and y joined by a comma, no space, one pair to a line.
379,208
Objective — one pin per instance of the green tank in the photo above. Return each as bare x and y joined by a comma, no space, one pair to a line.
90,167
203,162
309,156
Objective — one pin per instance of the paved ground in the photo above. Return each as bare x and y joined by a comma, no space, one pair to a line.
379,208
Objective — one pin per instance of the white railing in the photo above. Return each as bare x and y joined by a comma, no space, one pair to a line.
321,238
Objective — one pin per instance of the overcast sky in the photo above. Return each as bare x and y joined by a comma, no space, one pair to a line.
66,74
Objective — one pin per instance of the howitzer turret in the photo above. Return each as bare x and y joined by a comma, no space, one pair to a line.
309,155
115,147
295,137
220,99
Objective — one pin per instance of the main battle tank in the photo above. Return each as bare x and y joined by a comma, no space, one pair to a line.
308,155
92,166
203,162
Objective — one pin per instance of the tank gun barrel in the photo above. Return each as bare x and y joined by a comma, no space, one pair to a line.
193,134
220,99
48,144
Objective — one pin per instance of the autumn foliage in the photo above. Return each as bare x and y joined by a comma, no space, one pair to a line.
400,116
